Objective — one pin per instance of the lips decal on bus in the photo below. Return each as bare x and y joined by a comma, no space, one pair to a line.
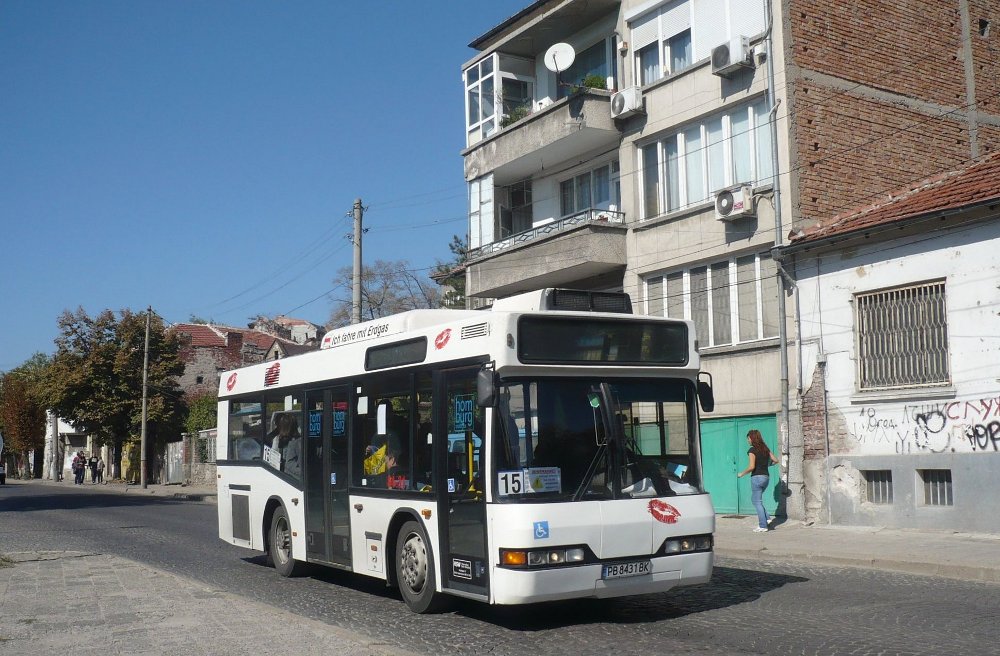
663,512
442,339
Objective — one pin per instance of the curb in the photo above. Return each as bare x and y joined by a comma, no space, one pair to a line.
959,572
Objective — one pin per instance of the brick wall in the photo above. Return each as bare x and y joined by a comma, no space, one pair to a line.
813,414
869,84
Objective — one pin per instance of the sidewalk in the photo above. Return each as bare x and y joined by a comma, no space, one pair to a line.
967,556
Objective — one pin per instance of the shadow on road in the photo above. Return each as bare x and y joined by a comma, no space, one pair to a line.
340,578
729,587
68,500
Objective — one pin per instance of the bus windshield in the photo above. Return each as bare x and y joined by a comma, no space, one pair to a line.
577,439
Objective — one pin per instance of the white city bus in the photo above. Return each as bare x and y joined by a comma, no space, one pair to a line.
545,449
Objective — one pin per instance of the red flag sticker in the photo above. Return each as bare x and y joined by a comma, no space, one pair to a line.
271,375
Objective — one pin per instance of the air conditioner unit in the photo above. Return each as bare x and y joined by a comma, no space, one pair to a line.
626,102
734,203
729,58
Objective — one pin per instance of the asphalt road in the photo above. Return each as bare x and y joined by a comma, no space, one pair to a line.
749,607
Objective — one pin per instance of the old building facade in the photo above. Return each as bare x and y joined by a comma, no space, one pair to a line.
683,143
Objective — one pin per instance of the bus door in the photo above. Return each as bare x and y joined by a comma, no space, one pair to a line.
327,535
459,452
339,528
314,455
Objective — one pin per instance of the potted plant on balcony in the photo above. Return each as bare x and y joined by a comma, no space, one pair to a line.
594,81
514,115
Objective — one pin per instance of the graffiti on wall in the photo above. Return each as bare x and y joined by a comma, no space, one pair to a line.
952,426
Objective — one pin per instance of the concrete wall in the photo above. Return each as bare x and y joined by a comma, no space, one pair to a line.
954,427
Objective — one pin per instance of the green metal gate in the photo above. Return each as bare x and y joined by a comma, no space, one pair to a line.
724,454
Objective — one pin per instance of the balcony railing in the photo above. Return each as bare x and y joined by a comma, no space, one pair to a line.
586,217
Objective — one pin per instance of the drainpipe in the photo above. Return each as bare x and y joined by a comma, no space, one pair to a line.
782,328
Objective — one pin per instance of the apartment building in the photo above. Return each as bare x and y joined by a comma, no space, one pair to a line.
681,144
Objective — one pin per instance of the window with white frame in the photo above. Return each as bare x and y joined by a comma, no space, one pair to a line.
731,301
481,211
480,100
688,166
902,337
599,188
661,41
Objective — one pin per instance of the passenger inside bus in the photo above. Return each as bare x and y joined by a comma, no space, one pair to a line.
286,440
385,463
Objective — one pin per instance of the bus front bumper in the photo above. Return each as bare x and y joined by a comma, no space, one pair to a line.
510,586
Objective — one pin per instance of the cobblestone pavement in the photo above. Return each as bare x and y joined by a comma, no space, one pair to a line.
78,603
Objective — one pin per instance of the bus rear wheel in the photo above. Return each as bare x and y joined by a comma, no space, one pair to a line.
280,544
415,569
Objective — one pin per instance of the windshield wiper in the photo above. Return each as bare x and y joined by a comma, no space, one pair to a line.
591,472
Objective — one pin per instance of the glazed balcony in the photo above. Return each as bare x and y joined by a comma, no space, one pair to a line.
565,130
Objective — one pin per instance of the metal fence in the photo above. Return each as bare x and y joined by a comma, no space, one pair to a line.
585,217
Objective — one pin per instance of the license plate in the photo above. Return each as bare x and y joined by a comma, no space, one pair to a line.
625,570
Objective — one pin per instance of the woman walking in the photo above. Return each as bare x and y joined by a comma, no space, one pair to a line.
760,459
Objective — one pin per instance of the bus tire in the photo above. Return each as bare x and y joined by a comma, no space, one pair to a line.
280,544
415,574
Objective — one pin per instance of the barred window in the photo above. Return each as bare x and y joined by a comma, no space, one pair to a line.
902,337
937,487
878,485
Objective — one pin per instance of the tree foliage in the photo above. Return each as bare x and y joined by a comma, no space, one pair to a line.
451,275
95,379
202,413
22,408
386,288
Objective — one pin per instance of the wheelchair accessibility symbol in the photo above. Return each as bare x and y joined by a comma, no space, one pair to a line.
541,530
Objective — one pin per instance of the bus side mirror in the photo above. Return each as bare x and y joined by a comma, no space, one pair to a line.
706,397
486,387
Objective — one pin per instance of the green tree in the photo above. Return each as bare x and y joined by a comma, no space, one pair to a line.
22,413
95,379
451,275
202,413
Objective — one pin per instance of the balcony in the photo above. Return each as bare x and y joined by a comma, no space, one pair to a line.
563,131
585,250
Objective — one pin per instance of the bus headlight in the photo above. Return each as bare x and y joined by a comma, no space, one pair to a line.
518,558
687,544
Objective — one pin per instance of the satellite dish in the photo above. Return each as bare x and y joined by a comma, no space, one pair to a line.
559,57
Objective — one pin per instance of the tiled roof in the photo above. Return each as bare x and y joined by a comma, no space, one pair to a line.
202,334
207,335
974,184
288,321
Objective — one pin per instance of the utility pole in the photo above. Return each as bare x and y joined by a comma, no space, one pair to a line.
356,296
145,387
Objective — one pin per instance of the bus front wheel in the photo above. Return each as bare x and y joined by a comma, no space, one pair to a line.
415,569
280,544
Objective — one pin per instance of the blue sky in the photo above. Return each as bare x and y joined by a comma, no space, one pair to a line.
180,154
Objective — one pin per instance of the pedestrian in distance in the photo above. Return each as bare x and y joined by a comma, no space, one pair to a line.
760,459
79,465
93,469
100,470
